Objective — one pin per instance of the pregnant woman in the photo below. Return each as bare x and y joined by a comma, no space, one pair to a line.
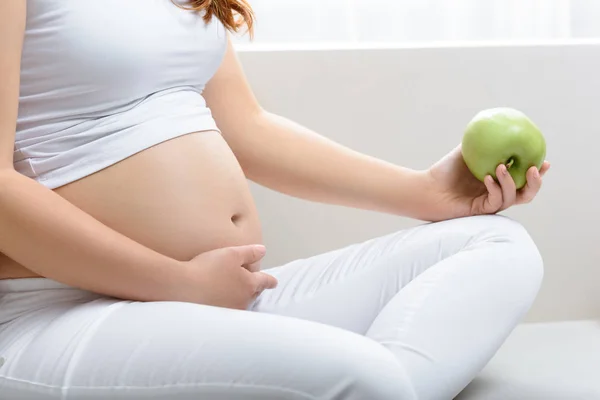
131,245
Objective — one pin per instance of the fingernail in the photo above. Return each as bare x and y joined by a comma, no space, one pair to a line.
536,173
503,170
260,249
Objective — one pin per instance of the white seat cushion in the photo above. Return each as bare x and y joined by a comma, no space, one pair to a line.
543,361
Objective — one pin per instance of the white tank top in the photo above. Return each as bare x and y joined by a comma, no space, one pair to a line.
103,80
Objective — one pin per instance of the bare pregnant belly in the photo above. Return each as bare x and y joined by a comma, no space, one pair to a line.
180,198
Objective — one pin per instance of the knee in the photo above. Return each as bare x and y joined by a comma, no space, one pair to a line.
515,242
518,257
377,377
519,242
364,370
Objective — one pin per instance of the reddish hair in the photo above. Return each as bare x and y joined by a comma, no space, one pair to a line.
233,14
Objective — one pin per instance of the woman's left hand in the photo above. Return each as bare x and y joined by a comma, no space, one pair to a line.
454,192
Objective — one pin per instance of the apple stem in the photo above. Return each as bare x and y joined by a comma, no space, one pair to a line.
510,163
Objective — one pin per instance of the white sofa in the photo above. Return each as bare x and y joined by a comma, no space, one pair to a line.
410,106
543,361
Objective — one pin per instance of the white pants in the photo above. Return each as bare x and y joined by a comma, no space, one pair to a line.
412,315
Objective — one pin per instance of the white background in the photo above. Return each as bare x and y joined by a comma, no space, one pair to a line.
402,21
407,102
410,106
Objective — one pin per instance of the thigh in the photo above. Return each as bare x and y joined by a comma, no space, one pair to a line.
349,287
128,350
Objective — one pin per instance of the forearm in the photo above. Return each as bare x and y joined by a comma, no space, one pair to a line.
292,159
52,237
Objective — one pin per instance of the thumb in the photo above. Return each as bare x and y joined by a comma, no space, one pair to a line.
264,281
249,254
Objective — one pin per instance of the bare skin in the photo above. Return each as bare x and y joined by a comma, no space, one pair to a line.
177,221
153,199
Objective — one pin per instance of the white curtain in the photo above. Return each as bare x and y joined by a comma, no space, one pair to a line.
424,20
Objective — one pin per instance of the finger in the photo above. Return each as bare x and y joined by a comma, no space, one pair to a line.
248,255
264,281
544,168
531,189
493,200
254,267
509,189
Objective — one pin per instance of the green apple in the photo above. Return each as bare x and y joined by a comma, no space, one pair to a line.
506,136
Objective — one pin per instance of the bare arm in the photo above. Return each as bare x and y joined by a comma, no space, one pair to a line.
49,235
287,157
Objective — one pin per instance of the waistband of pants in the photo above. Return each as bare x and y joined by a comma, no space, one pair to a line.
30,285
23,296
